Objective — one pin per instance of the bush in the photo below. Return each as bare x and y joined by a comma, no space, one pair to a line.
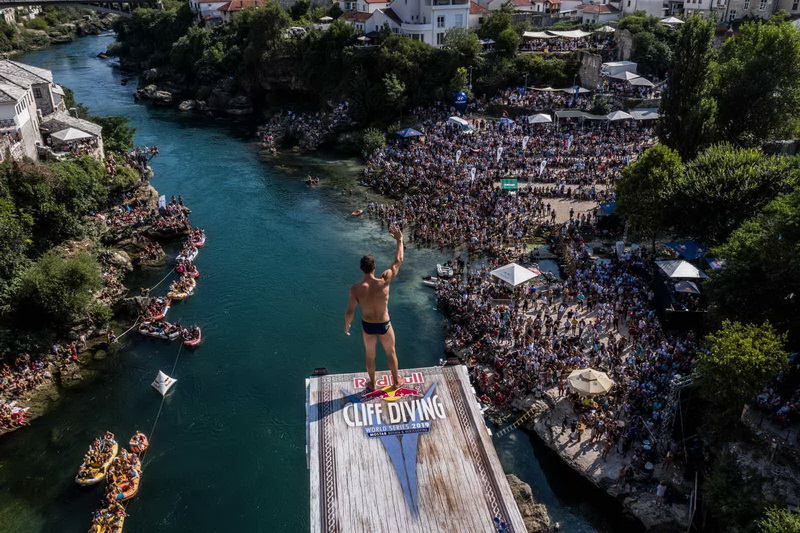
373,139
124,179
37,24
58,290
101,314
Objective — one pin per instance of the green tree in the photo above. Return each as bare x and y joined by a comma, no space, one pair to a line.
117,133
37,24
761,277
14,242
58,290
733,495
507,43
687,109
737,362
724,186
496,23
463,44
373,140
652,55
779,521
299,9
758,88
643,187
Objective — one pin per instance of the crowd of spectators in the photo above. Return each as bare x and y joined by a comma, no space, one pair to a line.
308,129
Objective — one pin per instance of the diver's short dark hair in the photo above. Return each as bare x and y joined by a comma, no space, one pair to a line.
367,264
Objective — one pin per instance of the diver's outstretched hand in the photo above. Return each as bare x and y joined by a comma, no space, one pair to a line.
396,232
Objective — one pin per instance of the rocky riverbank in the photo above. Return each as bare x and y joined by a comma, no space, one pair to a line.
87,23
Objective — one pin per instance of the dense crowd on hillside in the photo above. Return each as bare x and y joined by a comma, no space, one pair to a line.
597,41
308,129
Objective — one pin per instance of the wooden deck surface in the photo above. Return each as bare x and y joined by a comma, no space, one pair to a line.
441,474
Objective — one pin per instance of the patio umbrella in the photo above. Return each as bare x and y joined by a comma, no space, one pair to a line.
589,382
71,134
669,21
540,118
513,274
641,82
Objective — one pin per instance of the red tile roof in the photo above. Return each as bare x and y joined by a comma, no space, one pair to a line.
355,16
238,5
600,8
477,9
520,3
376,1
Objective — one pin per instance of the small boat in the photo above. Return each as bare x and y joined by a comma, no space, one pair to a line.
192,255
357,213
199,243
194,342
138,443
127,489
163,312
195,274
109,527
182,295
444,271
430,281
159,333
97,473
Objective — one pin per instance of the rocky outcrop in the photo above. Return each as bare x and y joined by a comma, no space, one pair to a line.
154,94
535,515
187,105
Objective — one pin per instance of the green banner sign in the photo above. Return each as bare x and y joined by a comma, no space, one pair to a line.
509,185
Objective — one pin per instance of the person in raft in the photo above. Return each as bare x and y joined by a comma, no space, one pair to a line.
372,294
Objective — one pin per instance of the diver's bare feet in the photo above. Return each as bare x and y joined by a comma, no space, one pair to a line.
369,387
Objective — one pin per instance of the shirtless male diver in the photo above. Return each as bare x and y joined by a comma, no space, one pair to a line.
372,294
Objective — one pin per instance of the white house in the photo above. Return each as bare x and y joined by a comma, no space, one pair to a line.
208,11
420,20
598,13
551,7
653,8
363,6
477,15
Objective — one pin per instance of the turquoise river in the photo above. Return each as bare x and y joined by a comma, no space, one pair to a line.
228,451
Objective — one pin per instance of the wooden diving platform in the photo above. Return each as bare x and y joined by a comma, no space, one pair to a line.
419,458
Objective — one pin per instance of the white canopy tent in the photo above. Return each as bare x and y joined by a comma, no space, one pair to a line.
513,274
618,115
605,29
645,114
540,118
572,34
71,134
671,21
680,269
163,383
545,89
641,82
571,90
625,75
536,35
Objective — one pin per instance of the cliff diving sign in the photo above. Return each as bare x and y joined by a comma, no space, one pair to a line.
397,421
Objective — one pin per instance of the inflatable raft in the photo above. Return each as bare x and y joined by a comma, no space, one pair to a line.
194,342
159,333
96,473
138,443
357,213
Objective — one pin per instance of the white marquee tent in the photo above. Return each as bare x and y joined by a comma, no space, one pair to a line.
513,274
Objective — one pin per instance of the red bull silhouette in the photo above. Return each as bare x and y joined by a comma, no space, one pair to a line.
372,295
391,393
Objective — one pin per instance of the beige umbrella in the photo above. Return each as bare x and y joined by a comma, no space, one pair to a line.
589,382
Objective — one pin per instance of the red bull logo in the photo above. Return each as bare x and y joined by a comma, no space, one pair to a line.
392,394
385,381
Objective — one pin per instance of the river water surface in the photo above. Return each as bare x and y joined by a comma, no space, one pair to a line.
228,450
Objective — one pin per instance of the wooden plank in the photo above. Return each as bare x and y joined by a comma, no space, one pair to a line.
446,479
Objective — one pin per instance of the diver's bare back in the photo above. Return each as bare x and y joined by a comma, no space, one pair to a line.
373,297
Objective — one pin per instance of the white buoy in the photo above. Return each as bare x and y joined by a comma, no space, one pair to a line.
163,383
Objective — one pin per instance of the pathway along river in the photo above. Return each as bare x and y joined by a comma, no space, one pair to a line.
228,451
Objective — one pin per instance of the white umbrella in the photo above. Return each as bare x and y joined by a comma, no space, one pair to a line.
618,115
641,82
513,274
71,134
589,382
671,20
326,19
605,29
625,75
571,90
680,269
541,118
163,383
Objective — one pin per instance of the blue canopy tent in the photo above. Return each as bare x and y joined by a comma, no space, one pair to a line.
506,121
688,249
408,133
715,263
608,208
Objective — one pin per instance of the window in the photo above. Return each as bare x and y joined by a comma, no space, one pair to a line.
415,37
746,4
440,22
732,15
460,20
440,38
763,5
794,6
629,3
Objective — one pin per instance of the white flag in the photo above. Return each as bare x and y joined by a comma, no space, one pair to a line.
472,174
569,142
542,165
499,153
458,156
525,141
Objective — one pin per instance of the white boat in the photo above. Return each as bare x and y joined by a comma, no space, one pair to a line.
444,271
430,281
189,257
159,334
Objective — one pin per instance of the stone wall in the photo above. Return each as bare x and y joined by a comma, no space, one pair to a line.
624,44
589,71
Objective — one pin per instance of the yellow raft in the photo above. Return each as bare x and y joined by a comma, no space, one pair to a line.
95,474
